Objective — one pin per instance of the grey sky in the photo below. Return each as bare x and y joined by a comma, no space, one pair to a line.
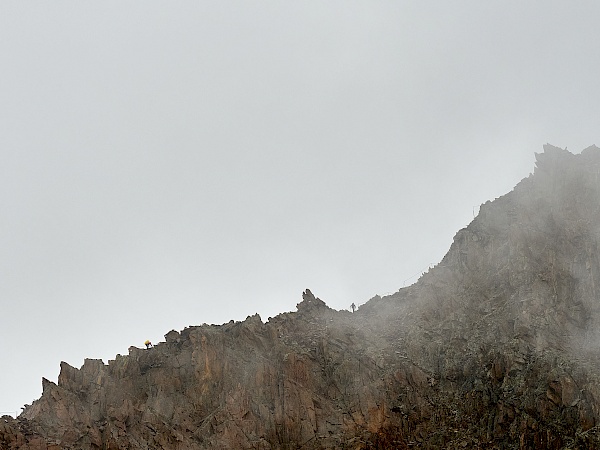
169,164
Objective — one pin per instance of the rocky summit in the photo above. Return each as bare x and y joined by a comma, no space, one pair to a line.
496,347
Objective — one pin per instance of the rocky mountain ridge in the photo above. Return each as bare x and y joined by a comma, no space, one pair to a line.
495,347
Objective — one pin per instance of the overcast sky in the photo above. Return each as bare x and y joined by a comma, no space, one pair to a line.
172,164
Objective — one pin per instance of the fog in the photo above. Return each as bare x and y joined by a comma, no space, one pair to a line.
172,165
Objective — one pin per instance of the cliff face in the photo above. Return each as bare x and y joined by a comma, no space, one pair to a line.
495,347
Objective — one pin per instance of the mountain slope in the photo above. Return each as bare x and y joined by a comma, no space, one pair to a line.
495,347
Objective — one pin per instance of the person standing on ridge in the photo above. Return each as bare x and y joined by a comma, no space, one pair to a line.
353,306
148,344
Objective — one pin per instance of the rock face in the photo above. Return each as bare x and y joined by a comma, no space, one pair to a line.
498,346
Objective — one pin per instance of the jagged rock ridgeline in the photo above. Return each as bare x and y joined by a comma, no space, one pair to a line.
498,346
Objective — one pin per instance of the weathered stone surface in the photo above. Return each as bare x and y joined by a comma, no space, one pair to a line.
495,347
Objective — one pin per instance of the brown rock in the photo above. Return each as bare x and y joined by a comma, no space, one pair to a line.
495,347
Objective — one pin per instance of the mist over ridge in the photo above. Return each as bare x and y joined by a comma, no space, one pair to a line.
494,346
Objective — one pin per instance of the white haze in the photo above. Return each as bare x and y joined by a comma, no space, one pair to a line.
165,165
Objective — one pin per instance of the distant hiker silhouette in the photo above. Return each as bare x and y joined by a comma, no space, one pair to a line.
353,306
148,344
